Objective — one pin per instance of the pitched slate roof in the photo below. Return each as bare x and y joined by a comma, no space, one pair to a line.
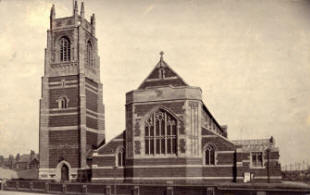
110,147
162,75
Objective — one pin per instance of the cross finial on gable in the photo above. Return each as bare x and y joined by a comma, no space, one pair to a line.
162,75
161,55
161,70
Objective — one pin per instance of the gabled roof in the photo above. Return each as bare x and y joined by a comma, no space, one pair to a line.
162,75
112,144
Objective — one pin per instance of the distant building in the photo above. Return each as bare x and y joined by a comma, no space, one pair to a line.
27,161
9,162
170,134
23,162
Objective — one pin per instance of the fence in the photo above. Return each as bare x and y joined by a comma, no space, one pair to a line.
143,189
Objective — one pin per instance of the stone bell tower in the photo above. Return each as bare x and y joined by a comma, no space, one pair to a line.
71,105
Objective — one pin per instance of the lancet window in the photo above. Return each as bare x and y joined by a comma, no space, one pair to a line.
209,155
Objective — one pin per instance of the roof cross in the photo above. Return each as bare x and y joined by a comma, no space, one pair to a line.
161,70
161,55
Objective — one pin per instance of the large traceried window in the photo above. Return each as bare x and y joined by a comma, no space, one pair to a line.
209,155
64,49
89,55
160,134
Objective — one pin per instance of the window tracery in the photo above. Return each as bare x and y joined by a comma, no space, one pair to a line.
160,134
209,155
65,49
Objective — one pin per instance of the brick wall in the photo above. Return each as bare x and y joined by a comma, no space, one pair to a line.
64,145
91,122
69,154
60,121
91,101
64,137
91,140
72,94
260,173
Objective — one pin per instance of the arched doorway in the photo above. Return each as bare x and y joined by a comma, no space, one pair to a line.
64,173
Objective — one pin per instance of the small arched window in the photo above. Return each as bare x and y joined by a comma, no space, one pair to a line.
64,49
89,55
160,133
63,102
209,155
120,158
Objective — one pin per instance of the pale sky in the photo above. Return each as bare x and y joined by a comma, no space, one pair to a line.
251,58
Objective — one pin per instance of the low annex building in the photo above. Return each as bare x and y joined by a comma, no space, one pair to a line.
170,134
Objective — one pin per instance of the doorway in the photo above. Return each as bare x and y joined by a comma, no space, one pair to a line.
64,173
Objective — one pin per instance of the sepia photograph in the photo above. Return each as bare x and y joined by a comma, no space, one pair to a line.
161,97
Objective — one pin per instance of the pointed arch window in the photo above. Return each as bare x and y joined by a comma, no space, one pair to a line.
120,157
64,49
89,55
160,133
209,155
63,102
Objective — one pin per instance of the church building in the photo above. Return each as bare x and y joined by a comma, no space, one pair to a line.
170,135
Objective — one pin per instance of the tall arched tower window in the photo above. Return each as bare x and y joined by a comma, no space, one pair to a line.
209,155
160,133
89,55
64,49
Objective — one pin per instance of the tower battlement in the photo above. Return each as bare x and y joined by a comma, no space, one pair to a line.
76,20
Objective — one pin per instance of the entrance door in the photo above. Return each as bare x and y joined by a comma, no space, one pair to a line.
64,173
